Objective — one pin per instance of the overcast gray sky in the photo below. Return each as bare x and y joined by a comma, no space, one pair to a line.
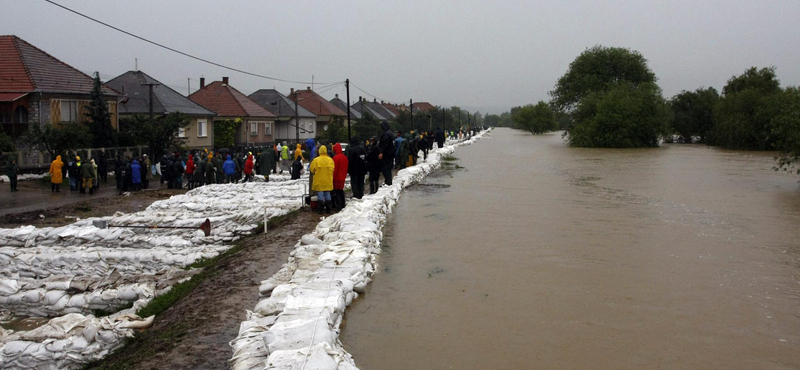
484,55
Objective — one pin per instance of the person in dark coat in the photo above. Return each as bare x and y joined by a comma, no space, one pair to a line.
199,172
297,168
266,162
387,151
440,137
357,166
74,175
12,171
177,170
229,167
373,165
102,167
166,171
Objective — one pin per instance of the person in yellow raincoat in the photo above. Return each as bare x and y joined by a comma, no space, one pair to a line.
298,153
322,168
56,176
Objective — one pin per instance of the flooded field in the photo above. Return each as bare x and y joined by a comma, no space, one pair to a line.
536,255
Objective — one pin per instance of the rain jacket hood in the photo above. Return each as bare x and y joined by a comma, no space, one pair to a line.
322,167
340,163
337,149
56,175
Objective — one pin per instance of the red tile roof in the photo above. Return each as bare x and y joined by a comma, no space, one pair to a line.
11,96
25,68
424,106
226,101
317,104
392,108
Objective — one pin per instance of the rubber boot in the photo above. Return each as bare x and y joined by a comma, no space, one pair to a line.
328,207
320,206
58,188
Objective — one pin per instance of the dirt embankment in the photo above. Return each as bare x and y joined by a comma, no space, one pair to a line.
194,332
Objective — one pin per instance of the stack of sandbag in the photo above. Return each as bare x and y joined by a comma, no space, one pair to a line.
296,324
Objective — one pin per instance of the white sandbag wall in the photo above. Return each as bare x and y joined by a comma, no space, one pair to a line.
72,270
296,325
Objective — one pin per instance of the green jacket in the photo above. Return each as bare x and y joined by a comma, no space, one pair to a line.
267,161
12,170
88,171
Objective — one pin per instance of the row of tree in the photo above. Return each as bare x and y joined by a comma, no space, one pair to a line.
609,98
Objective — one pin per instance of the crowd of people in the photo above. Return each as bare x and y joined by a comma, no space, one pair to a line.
328,165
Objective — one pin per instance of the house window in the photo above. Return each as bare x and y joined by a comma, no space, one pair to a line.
21,115
69,111
202,127
254,128
267,128
182,132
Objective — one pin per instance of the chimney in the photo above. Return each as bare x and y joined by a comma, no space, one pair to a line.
291,92
359,99
337,96
224,80
382,102
374,100
202,82
308,88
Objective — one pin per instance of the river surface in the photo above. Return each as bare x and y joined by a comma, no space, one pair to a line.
540,256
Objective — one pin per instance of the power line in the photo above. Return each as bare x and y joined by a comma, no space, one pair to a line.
362,90
175,50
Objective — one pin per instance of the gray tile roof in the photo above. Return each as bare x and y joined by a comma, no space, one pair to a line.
368,108
165,99
339,103
279,104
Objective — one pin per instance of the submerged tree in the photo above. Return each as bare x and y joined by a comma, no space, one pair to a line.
743,115
537,119
693,113
786,129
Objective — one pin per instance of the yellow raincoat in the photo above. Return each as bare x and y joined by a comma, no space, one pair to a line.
322,168
56,176
298,153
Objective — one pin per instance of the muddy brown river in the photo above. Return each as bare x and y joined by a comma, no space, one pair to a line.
540,256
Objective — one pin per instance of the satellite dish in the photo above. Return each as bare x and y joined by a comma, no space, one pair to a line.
325,128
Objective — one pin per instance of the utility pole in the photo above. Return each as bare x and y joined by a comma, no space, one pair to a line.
188,86
347,106
444,120
296,118
411,109
459,118
150,85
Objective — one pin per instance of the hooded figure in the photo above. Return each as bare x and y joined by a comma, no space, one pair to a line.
89,174
310,145
387,151
229,167
322,168
56,176
266,163
298,153
136,175
339,175
439,135
248,168
190,167
297,168
357,166
285,164
199,172
211,170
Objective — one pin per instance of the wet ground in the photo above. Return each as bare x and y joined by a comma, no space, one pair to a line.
194,333
537,255
34,195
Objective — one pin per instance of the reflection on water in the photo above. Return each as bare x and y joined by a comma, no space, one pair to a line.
537,255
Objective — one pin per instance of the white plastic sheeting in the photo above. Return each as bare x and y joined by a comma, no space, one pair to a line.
72,270
24,177
296,325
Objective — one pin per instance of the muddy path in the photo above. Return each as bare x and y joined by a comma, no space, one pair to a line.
91,207
194,333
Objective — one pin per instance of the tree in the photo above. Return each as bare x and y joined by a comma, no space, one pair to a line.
225,132
785,127
626,116
537,119
366,127
596,70
159,134
57,139
335,131
99,118
693,113
743,115
6,143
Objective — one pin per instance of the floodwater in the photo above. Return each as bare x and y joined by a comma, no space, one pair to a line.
540,256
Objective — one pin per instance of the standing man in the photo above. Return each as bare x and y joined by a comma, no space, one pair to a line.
12,171
56,176
440,137
265,163
88,173
357,166
322,168
102,167
147,172
386,146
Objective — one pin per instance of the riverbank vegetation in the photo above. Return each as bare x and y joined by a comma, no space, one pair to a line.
608,98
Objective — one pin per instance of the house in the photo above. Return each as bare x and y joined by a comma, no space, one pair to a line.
35,87
394,108
135,89
283,107
323,109
256,128
423,107
339,103
362,106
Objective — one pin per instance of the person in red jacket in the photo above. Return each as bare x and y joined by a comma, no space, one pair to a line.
189,172
248,168
340,163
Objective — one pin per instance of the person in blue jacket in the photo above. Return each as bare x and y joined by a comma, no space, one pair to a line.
136,175
229,167
310,146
